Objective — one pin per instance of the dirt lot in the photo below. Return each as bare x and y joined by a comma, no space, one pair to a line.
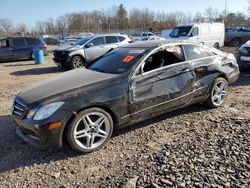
192,147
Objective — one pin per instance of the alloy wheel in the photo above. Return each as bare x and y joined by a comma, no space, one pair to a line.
77,62
92,130
219,93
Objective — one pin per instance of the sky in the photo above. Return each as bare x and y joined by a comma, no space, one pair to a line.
31,11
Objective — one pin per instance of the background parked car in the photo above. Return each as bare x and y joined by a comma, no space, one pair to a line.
152,38
135,36
68,41
243,57
51,41
14,48
210,34
237,36
166,33
87,50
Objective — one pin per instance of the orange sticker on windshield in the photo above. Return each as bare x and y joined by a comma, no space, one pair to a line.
127,59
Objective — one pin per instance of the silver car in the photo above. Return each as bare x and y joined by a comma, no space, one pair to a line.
87,50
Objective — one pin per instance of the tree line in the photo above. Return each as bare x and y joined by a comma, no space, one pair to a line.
119,19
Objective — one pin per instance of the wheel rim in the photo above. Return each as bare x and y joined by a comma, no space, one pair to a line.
77,63
216,46
219,93
92,130
236,43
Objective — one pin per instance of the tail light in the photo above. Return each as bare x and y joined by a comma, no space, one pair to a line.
45,47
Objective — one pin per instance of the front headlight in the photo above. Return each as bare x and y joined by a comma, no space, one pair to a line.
31,113
45,111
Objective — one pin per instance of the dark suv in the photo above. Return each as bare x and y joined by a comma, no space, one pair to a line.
14,48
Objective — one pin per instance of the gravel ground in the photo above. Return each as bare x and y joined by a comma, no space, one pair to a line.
192,147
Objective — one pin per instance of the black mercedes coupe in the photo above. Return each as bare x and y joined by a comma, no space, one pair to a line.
129,84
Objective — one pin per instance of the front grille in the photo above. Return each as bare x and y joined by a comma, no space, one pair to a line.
60,56
19,109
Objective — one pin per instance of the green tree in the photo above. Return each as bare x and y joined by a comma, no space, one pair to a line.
122,17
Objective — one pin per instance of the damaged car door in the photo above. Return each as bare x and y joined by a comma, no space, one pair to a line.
164,81
204,67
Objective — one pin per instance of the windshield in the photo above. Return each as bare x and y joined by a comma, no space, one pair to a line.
180,31
117,61
82,41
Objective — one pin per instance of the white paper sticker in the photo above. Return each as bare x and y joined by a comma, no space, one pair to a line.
136,51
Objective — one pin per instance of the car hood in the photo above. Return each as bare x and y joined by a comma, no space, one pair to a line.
62,83
247,44
68,48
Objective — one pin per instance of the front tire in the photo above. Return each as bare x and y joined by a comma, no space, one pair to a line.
218,93
90,130
76,62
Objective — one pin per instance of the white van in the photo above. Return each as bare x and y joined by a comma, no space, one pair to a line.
210,34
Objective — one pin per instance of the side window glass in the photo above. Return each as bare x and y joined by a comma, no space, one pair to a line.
121,38
111,39
195,32
97,41
194,52
4,43
32,41
18,41
170,55
246,29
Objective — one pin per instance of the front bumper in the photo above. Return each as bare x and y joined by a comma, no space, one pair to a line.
37,135
61,58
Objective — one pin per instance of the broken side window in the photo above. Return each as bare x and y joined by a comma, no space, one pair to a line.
167,56
194,52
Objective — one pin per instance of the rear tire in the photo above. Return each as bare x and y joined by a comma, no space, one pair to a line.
217,46
90,130
76,62
218,93
235,42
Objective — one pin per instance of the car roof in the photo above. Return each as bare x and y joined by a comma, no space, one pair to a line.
18,37
110,34
154,43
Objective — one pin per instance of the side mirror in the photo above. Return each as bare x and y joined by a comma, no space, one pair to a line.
89,45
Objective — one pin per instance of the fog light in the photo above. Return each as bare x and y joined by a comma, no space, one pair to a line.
55,125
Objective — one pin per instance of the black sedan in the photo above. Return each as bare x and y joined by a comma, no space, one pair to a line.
129,84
